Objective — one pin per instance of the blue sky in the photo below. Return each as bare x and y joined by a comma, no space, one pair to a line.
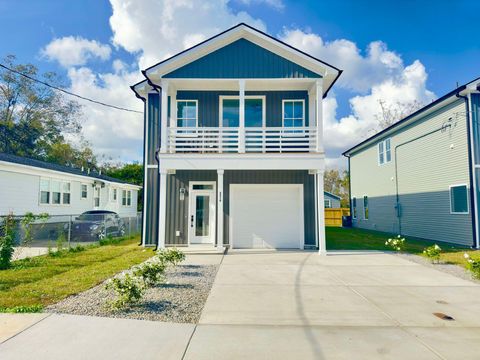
440,35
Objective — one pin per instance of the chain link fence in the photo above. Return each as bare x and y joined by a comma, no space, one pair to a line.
65,231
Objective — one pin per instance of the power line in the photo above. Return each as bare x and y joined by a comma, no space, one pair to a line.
68,92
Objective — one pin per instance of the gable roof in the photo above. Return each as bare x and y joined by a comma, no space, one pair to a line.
59,168
329,72
332,195
414,116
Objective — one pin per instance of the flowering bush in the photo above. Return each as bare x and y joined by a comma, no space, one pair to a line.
128,288
151,272
397,244
433,253
171,256
473,265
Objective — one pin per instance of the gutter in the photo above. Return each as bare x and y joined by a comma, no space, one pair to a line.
470,170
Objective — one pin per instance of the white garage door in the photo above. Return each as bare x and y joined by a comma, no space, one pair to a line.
266,216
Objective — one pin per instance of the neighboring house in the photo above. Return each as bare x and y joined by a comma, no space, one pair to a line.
419,176
332,201
234,144
28,185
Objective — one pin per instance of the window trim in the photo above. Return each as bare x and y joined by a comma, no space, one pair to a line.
127,193
50,192
329,203
450,198
81,191
384,147
234,97
365,218
283,111
113,198
176,113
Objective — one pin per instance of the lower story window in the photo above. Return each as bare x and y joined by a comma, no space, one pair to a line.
365,207
126,197
96,197
459,199
54,192
328,203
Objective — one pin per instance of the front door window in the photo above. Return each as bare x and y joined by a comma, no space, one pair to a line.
202,205
202,213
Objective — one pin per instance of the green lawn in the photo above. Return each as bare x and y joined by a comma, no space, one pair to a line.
45,279
358,239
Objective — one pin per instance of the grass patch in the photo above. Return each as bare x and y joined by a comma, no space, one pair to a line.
22,309
360,239
44,280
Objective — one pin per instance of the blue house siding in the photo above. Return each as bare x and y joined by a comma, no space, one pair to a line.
242,59
209,104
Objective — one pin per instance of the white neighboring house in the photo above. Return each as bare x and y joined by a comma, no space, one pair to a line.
28,185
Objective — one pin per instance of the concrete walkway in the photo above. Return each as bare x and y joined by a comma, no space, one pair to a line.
281,305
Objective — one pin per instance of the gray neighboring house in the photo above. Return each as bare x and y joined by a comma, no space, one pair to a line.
332,201
420,177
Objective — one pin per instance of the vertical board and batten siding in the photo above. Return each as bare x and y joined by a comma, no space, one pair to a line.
177,217
150,203
427,166
209,104
242,59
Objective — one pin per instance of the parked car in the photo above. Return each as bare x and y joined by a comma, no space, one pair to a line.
97,225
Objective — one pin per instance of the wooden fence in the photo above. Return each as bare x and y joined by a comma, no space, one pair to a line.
333,217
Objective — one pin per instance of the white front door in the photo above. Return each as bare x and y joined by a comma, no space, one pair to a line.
201,216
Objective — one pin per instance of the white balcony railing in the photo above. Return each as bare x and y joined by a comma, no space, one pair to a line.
249,139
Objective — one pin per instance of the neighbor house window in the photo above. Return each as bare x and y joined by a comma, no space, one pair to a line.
354,208
126,198
365,207
83,191
187,113
54,192
113,195
459,199
96,197
293,113
328,203
384,152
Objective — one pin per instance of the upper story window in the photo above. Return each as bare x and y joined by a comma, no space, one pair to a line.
187,113
384,152
54,192
254,111
83,191
459,199
293,113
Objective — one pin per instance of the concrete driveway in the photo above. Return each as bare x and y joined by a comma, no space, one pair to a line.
283,305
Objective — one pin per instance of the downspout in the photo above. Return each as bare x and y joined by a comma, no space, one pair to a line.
397,196
470,169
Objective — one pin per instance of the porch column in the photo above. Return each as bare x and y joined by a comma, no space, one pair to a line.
241,111
319,114
220,208
322,248
164,119
162,209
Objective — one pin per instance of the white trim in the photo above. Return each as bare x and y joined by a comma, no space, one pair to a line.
450,197
220,212
176,111
299,188
322,242
474,173
152,166
234,97
384,146
283,110
81,191
212,213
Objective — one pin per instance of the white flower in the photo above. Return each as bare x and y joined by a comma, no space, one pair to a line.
398,236
466,256
386,242
437,247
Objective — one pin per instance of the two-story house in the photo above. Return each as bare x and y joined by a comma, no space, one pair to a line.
234,144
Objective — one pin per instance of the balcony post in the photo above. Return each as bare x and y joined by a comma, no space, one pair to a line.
319,114
173,114
311,118
164,117
220,208
241,111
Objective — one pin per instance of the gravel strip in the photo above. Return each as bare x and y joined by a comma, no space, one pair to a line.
180,299
452,269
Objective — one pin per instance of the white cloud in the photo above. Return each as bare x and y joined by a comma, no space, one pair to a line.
380,74
276,4
74,51
158,29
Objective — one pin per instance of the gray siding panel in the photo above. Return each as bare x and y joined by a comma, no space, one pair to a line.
209,104
426,166
177,216
151,207
153,127
242,59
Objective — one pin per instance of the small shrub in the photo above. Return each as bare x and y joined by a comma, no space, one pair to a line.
7,241
22,309
128,289
433,253
61,239
151,272
473,265
77,249
397,244
171,256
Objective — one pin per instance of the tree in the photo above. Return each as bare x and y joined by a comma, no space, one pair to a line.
131,173
337,183
390,113
33,117
66,154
